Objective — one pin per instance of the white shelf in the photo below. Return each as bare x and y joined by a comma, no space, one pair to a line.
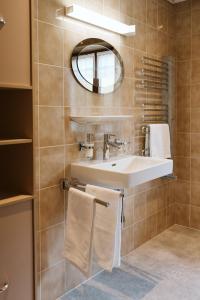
14,141
99,119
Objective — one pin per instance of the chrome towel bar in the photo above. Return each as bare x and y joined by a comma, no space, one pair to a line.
67,183
155,60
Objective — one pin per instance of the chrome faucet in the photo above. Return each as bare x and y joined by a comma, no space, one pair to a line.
110,140
88,146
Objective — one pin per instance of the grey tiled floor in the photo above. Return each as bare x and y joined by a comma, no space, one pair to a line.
165,268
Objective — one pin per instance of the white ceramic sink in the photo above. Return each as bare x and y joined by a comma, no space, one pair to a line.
123,172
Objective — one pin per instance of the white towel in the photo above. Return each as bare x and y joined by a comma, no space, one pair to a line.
79,229
159,141
107,228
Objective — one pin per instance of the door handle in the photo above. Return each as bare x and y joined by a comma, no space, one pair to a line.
4,287
2,22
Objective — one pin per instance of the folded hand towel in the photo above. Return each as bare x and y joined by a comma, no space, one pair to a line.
159,141
107,227
79,229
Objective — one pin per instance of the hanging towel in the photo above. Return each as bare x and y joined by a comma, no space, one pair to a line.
107,228
79,229
159,143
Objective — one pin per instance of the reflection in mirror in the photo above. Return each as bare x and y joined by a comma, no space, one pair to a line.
97,66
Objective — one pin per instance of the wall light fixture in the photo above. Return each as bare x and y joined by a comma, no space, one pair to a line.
88,16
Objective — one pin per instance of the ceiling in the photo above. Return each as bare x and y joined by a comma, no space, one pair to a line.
175,1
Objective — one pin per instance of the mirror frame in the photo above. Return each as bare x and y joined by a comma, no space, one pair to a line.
77,74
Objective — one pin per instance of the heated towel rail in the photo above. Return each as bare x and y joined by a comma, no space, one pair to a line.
155,92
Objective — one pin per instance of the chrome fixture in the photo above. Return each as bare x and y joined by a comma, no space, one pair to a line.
2,22
74,182
110,140
66,184
4,288
88,146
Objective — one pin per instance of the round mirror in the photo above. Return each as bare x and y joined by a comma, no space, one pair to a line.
97,66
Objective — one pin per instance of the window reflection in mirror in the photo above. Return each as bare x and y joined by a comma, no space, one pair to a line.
97,66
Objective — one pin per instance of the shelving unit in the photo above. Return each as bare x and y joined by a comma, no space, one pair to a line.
11,199
4,142
16,148
15,86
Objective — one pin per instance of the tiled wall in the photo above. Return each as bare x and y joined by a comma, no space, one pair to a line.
149,209
187,189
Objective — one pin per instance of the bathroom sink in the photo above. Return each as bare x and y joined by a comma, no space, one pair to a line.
123,172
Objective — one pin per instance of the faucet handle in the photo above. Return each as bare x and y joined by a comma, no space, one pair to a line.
121,142
107,136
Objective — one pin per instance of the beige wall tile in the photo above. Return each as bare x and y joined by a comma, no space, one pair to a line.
183,144
114,4
183,72
127,55
183,120
72,154
50,45
182,192
195,144
70,41
140,233
195,21
195,167
128,211
163,192
195,46
139,10
195,96
182,214
195,71
195,194
171,20
195,4
52,246
162,220
152,13
183,47
139,207
73,276
183,23
183,6
162,44
140,37
50,85
53,282
127,240
74,93
170,215
152,201
195,120
183,97
51,166
162,17
127,7
51,127
195,217
51,206
151,226
182,168
152,41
